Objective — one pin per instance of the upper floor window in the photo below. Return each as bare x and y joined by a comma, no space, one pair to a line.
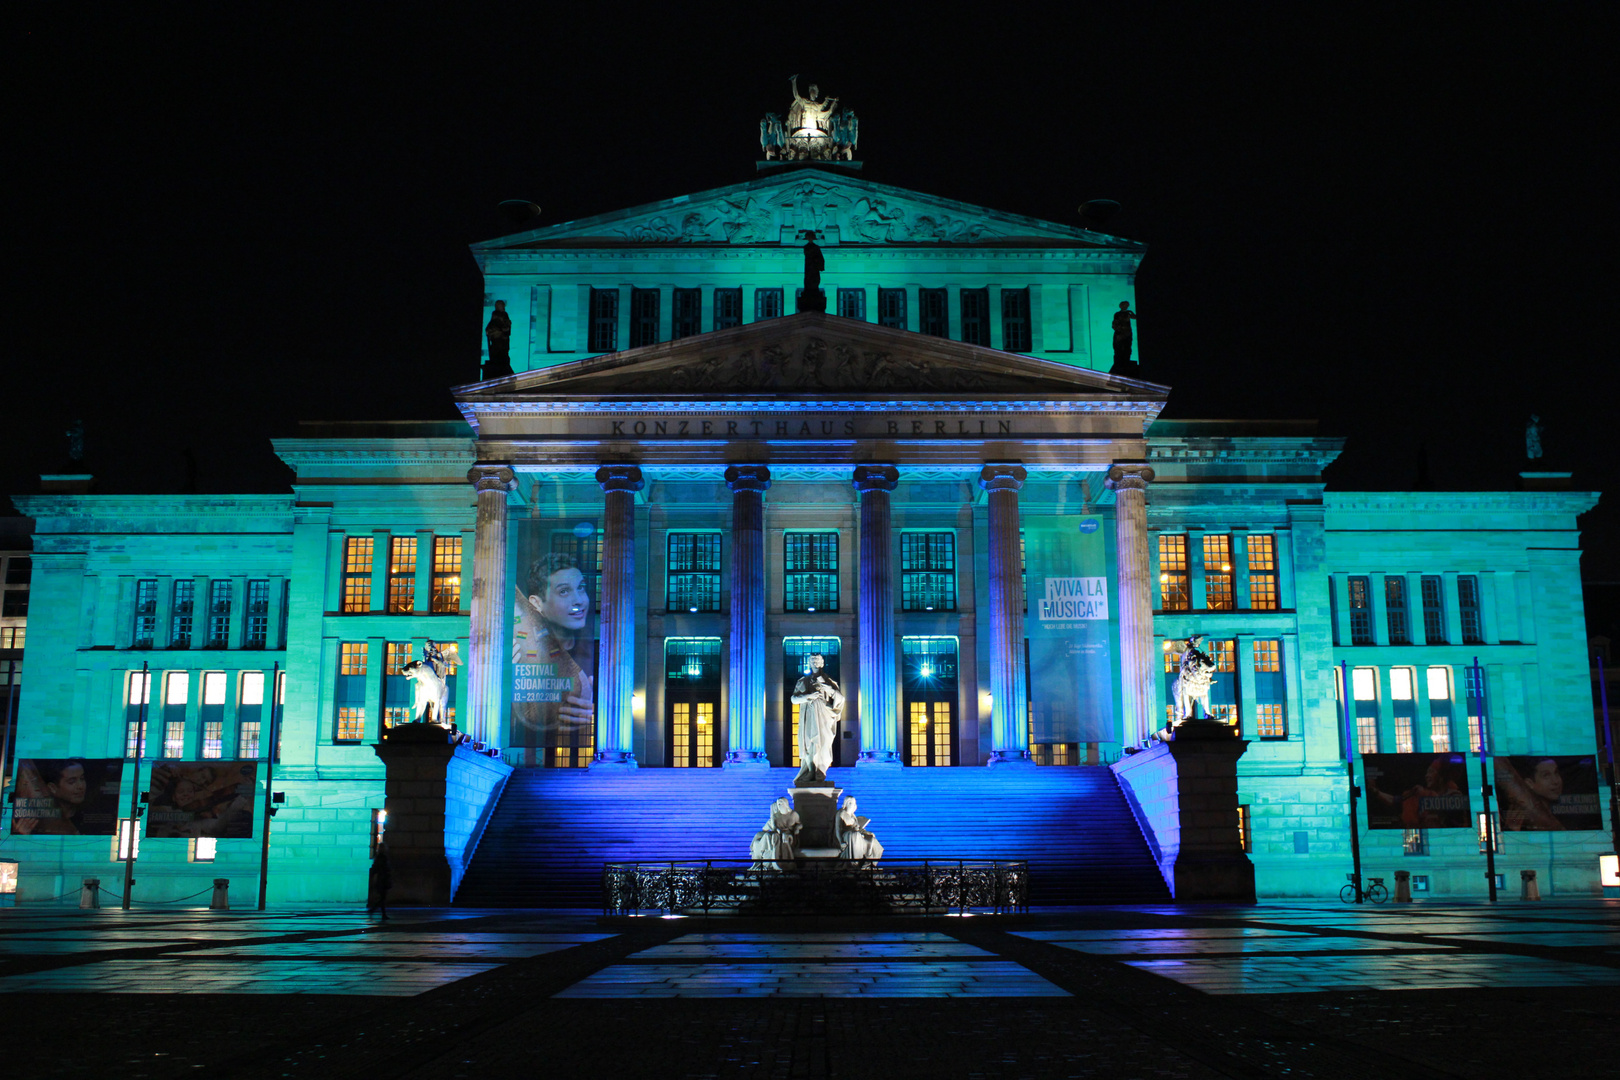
1364,681
1015,335
852,303
258,614
727,308
1400,627
1173,593
1473,632
976,316
219,613
1434,611
1361,625
402,573
19,569
810,565
694,572
146,595
1270,692
767,304
1218,573
604,331
928,571
892,308
357,573
182,613
1263,572
933,316
686,313
446,574
643,317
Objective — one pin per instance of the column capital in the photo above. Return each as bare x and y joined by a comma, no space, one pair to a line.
1129,476
876,478
620,478
748,477
1003,476
491,477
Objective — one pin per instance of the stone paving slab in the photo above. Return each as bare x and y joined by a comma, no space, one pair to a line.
1386,971
788,950
172,976
363,950
1161,934
928,979
1244,946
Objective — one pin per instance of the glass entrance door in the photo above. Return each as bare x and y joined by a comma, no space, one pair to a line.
928,695
692,702
796,653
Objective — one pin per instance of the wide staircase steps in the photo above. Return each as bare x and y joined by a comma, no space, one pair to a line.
554,828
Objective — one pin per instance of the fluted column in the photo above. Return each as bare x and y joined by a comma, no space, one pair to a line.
616,662
486,666
880,685
1138,660
745,712
1009,695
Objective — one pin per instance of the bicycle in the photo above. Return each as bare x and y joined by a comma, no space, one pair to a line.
1375,890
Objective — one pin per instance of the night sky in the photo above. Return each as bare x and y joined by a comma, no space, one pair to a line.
1396,219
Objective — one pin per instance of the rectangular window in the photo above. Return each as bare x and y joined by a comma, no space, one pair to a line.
1440,709
1223,695
1015,336
1415,842
247,740
1361,626
1476,708
892,308
351,723
397,708
686,313
125,835
927,571
932,312
1271,693
174,739
1218,573
145,613
1400,629
13,637
1365,683
852,304
727,308
976,316
446,574
258,614
19,570
1434,612
401,574
1245,823
204,848
176,688
1403,700
810,571
1468,610
694,572
1173,593
213,743
357,573
219,613
352,658
1263,572
604,335
1270,720
182,613
135,739
767,304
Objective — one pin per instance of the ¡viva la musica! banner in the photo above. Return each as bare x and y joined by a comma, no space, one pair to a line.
1071,626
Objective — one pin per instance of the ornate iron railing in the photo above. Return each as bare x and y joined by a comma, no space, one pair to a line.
816,886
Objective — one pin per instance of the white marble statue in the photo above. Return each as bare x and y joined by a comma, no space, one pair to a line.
855,840
778,840
430,691
820,704
1196,678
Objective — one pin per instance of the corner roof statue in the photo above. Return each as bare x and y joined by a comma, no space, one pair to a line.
814,130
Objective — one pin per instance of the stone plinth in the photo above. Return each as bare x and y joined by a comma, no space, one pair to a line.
439,798
1185,795
818,814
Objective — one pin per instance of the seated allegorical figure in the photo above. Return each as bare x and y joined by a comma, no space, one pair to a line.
778,840
854,837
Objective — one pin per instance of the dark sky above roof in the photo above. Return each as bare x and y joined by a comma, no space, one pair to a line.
1397,219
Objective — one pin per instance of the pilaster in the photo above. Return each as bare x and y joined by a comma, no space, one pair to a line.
486,662
1138,658
745,699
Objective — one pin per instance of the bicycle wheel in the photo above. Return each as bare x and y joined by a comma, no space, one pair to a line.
1348,894
1378,894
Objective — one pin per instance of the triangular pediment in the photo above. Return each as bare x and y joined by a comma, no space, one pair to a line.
846,209
811,355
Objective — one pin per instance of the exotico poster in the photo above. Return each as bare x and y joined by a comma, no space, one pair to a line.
1417,791
553,682
1070,623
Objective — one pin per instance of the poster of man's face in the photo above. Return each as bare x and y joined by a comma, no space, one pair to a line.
201,798
1542,793
66,797
1417,791
553,634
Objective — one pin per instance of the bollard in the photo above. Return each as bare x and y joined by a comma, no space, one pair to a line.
1403,886
1528,889
90,893
221,900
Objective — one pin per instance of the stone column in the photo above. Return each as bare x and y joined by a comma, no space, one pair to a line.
486,665
1138,658
616,661
880,687
1009,696
745,714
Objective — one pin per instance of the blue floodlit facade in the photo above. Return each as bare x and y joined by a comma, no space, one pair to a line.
965,350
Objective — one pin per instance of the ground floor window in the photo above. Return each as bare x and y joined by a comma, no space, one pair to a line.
692,702
928,695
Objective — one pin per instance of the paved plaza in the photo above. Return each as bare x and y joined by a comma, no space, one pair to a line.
1278,989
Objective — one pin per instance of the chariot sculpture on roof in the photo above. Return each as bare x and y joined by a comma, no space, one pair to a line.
815,130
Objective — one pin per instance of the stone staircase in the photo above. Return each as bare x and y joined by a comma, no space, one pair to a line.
554,828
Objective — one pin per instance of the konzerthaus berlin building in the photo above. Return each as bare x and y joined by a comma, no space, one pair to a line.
694,480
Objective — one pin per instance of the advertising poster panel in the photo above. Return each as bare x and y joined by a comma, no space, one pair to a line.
1546,793
1417,791
555,571
66,797
201,798
1071,626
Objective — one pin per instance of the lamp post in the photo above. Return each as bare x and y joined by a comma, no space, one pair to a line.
1608,747
1350,774
1476,693
269,776
135,786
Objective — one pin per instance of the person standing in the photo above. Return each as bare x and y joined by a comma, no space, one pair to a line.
379,882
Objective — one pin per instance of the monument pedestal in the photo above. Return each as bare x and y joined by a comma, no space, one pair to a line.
817,806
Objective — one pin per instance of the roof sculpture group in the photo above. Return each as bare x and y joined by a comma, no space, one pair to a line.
815,130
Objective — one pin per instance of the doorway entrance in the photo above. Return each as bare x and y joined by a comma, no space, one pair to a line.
692,701
928,699
796,653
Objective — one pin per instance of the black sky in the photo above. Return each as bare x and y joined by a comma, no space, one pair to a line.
1397,219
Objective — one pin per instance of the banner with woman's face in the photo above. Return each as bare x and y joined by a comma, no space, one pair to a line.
201,798
555,568
66,797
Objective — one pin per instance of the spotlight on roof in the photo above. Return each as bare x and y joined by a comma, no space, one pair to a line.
1096,213
519,211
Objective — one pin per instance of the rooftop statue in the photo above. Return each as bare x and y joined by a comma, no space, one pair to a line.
814,131
1532,438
